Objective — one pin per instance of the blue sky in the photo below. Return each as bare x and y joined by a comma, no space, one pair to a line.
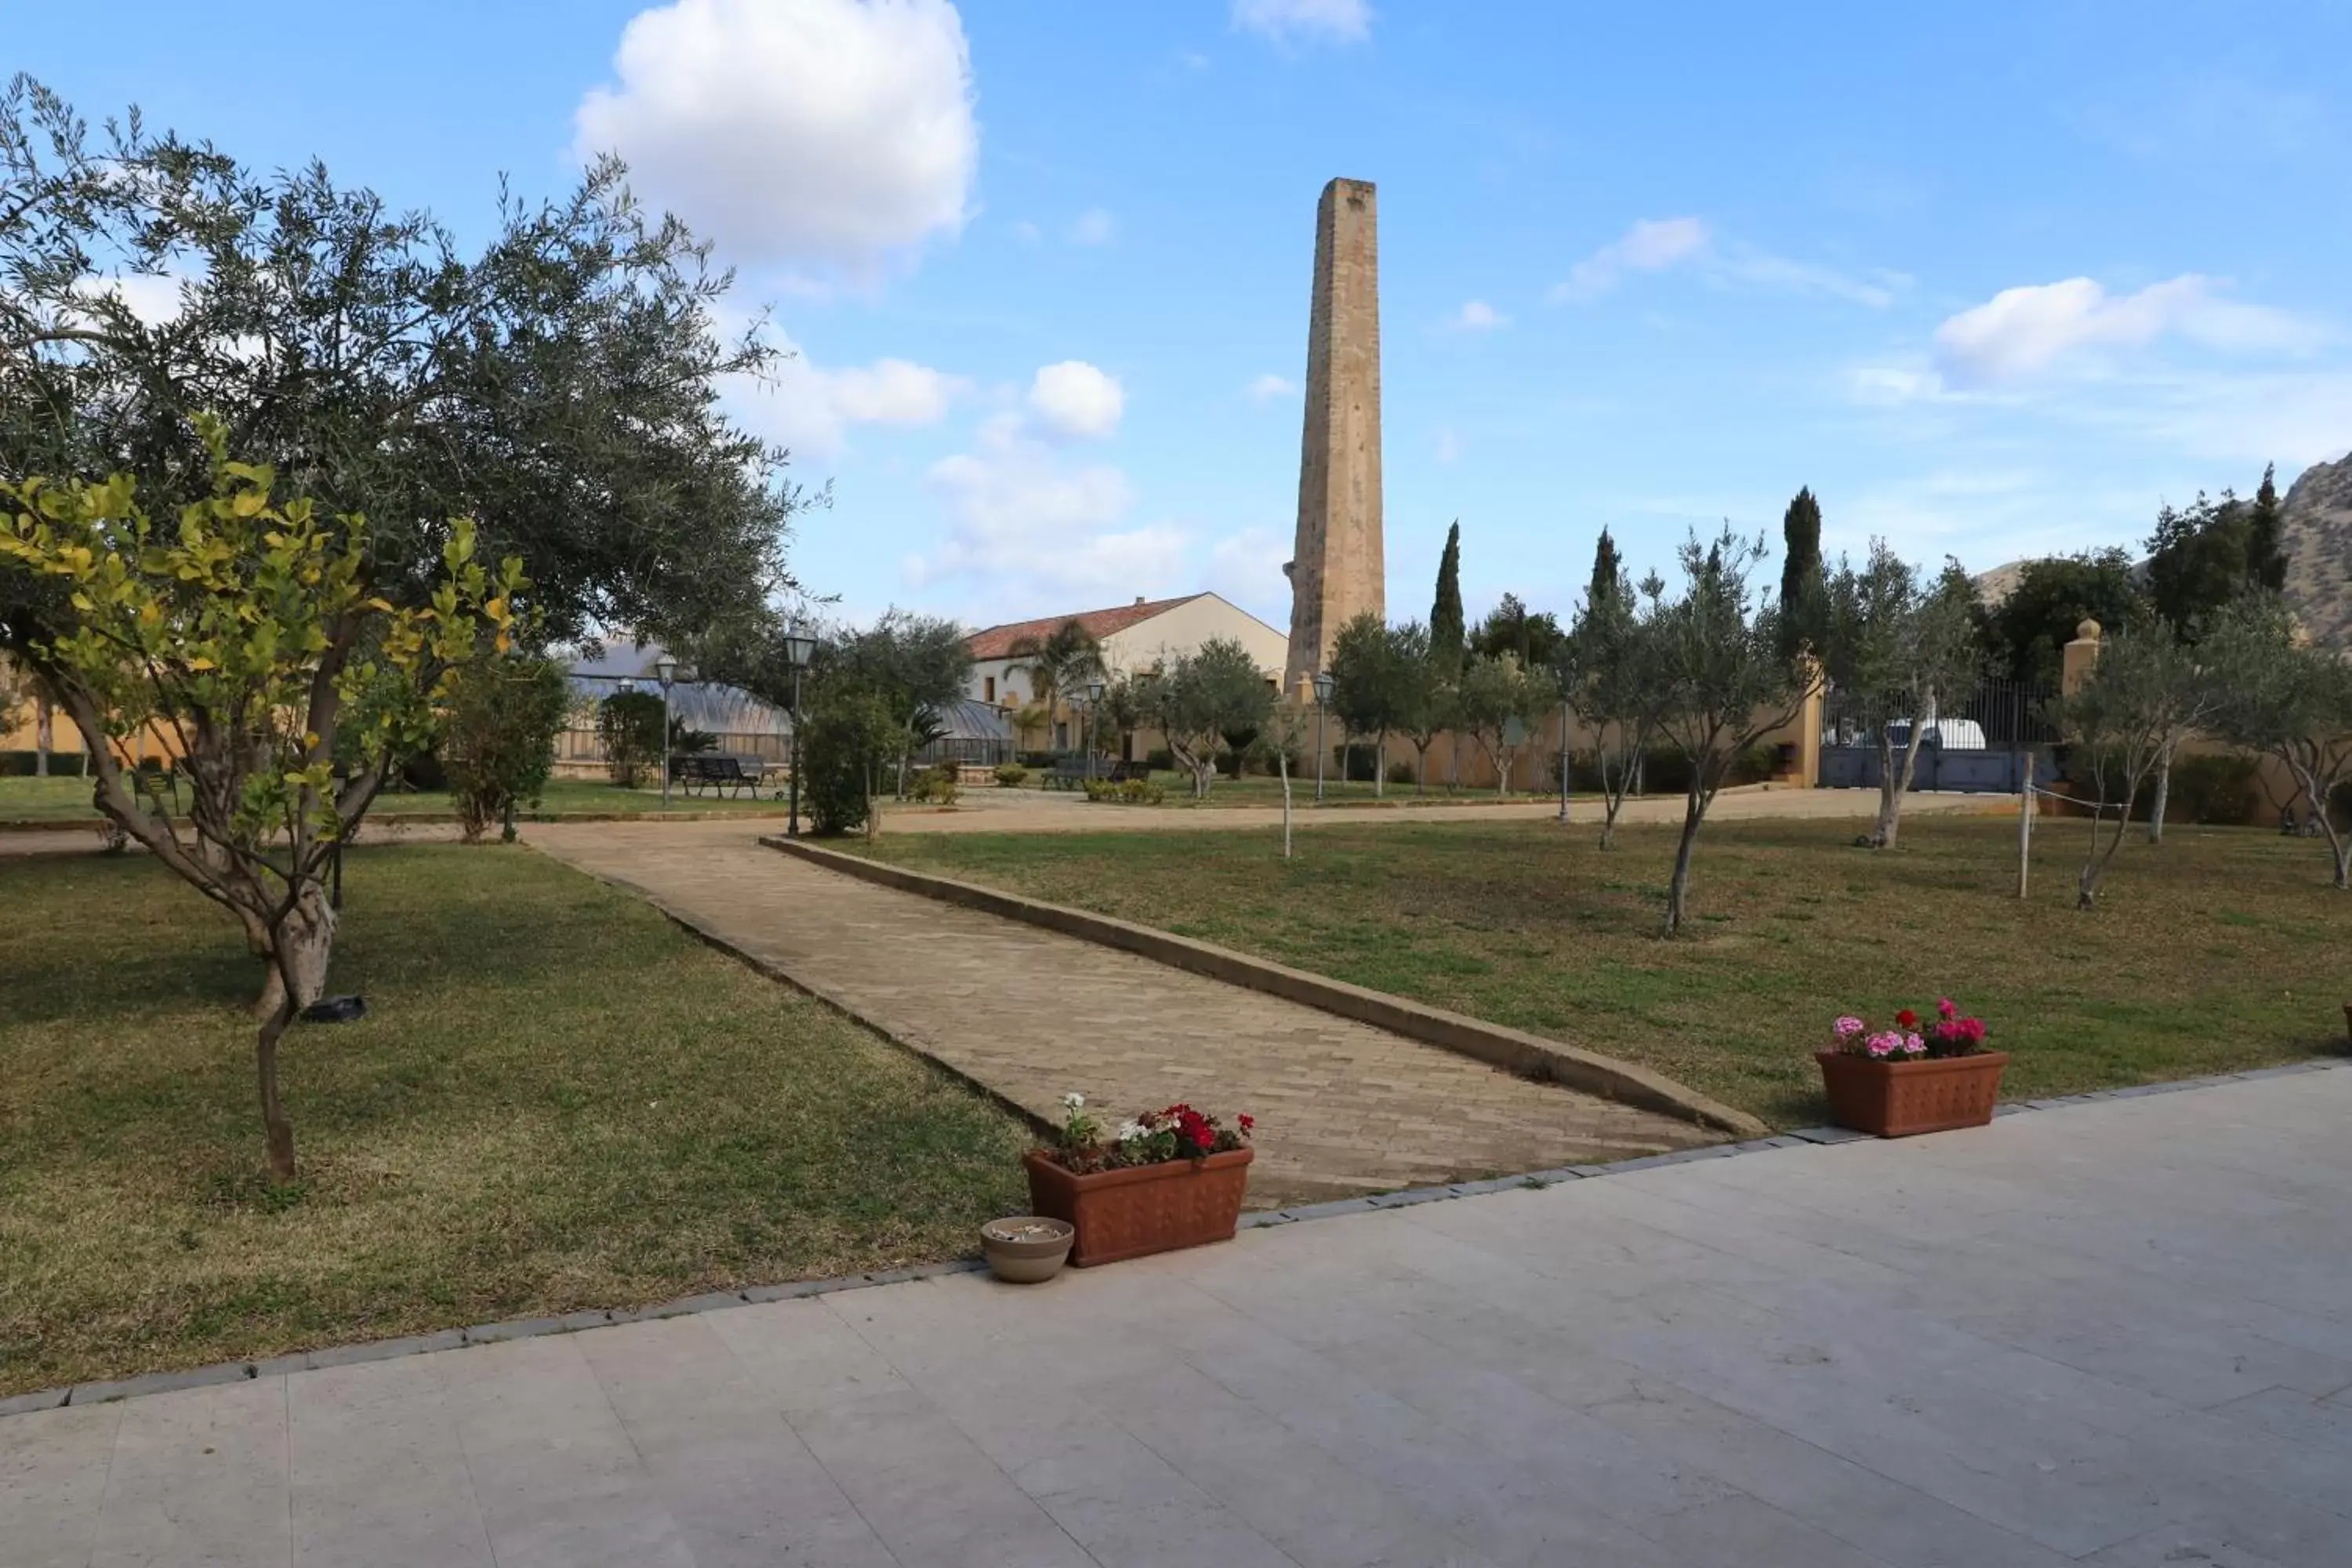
1993,279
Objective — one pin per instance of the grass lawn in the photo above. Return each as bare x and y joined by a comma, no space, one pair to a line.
2220,949
558,1101
68,800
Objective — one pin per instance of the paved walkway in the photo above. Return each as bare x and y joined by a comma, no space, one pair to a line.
1343,1107
2113,1334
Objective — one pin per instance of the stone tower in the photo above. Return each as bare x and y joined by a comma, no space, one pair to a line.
1336,569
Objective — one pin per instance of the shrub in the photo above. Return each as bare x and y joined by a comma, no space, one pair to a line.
1034,759
500,746
1400,772
2217,790
629,723
1160,760
1130,791
940,785
847,735
1012,775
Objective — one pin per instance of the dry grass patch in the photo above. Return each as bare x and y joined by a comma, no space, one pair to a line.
558,1102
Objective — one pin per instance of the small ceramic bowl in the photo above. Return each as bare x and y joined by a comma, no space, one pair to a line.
1026,1249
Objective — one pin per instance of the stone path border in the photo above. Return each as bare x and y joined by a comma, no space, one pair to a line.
1514,1050
719,1300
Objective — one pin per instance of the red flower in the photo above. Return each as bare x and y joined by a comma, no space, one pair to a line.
1974,1029
1907,1018
1246,1122
1946,1007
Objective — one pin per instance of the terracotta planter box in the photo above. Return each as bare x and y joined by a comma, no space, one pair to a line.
1895,1100
1143,1209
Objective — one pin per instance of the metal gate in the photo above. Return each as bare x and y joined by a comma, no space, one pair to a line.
1977,746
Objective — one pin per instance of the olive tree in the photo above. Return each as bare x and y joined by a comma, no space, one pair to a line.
1501,703
2147,691
1899,650
2287,700
251,633
1727,681
1614,682
1376,679
1201,696
559,383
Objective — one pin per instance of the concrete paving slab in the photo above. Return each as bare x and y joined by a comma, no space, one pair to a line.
2111,1334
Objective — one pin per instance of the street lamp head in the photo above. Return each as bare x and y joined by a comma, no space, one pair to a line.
665,669
627,687
1094,691
1323,684
800,648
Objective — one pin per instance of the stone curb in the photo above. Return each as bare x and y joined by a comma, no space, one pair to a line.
1514,1050
719,1300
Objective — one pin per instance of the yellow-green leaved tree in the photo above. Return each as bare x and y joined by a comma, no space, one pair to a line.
246,630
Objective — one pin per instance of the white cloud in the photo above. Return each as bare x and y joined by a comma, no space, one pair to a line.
838,131
1094,226
1025,526
1477,316
1027,232
152,298
810,409
1652,244
2020,331
893,392
1268,387
1246,569
1076,401
1341,21
1658,245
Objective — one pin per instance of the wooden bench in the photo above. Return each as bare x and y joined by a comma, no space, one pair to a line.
719,772
1067,773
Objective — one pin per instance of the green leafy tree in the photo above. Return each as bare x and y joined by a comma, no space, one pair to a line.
1057,665
629,728
1427,708
2147,691
1616,684
1446,627
848,739
559,385
2026,633
497,745
1608,572
1531,636
1727,681
2266,536
1202,695
2197,562
918,664
251,630
1502,702
2291,700
1803,587
1376,679
1899,652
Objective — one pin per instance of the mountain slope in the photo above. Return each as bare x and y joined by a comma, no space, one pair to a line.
2318,516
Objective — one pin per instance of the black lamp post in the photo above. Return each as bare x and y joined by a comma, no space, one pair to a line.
799,649
1323,684
1093,694
667,672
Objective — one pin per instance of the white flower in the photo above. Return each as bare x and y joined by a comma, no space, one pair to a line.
1075,1102
1128,1130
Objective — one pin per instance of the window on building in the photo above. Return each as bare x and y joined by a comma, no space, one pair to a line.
988,689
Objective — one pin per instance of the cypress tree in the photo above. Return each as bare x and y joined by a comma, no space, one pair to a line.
1802,587
1605,568
2266,536
1446,627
